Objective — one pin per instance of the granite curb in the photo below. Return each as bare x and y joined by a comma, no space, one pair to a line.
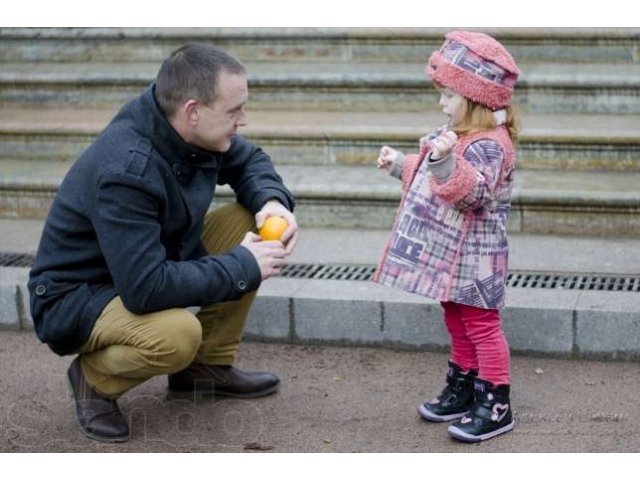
537,322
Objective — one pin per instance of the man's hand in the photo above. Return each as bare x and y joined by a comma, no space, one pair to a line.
274,208
269,255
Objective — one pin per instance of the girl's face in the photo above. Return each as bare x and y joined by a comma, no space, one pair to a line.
452,106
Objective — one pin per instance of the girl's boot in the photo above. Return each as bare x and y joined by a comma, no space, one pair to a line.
490,415
456,399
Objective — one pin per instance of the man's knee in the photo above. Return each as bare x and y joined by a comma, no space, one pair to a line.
182,339
231,212
225,227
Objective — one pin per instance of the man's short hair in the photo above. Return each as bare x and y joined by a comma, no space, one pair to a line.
192,72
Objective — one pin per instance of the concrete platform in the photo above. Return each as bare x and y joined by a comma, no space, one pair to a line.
538,321
558,322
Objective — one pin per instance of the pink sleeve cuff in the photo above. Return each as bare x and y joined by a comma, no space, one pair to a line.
459,185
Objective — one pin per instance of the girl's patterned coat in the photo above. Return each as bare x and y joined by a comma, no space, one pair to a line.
449,239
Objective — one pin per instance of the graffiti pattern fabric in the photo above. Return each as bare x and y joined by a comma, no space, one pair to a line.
455,251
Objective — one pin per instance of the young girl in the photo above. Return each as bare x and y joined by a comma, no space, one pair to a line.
449,239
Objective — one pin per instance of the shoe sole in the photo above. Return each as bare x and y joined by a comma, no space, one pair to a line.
192,395
432,417
103,439
462,436
86,433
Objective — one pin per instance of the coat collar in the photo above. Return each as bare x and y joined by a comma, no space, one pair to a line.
169,143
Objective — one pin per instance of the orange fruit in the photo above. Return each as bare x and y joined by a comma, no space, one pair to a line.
273,228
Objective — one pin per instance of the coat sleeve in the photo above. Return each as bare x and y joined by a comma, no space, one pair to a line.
125,216
412,162
468,181
251,174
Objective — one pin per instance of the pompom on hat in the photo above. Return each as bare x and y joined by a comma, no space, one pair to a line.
475,66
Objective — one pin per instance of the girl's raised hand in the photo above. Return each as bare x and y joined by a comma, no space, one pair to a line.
386,158
442,145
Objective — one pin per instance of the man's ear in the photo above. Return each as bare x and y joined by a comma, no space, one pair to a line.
190,112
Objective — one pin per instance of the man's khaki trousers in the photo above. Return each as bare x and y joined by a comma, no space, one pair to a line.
125,349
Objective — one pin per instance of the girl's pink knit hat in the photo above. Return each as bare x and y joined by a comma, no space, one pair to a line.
475,66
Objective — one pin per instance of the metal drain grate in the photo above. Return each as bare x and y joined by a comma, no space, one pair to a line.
565,281
318,271
16,259
329,272
610,283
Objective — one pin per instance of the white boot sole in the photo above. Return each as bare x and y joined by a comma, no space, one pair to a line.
458,434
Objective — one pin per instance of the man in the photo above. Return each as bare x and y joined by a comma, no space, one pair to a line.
128,245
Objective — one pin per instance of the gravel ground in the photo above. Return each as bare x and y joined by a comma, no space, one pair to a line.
331,400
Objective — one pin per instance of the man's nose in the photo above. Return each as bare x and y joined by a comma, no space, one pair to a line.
243,119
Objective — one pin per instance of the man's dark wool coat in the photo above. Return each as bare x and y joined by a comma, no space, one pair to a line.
127,221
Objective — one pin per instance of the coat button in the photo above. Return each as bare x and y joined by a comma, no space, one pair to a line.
242,285
40,290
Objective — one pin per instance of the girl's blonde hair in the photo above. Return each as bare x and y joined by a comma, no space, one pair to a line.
477,118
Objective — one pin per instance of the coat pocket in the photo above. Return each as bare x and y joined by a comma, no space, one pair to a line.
56,318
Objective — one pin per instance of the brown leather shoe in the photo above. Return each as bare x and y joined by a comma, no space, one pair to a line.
99,418
224,381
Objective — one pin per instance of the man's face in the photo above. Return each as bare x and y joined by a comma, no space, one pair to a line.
219,122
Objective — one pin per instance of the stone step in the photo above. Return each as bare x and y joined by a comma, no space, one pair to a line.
554,142
401,87
561,202
578,45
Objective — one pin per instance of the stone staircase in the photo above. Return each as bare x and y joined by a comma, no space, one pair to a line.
322,103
